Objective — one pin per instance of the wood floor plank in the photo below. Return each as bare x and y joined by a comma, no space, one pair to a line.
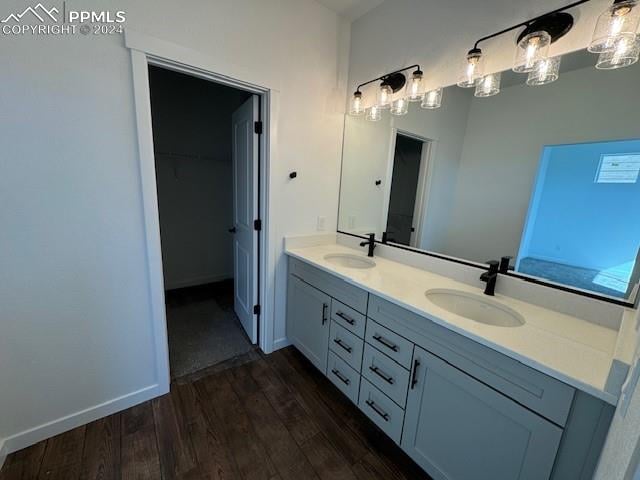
282,449
207,436
284,402
371,467
24,464
177,459
101,458
139,459
326,461
63,456
248,451
334,428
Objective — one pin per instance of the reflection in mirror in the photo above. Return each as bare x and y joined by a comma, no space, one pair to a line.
548,175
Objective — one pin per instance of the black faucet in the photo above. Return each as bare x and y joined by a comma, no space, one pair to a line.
490,277
504,264
371,243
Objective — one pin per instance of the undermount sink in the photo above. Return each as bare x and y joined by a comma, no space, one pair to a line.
349,261
475,307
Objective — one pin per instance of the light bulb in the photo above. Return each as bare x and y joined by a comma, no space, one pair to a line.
414,88
472,68
357,108
400,106
531,49
374,113
625,52
488,85
384,95
432,99
547,71
619,21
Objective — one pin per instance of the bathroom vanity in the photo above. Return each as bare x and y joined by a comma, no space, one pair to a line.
489,391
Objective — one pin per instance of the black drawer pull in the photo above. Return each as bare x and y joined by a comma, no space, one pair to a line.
342,345
324,313
383,376
385,342
414,378
346,318
377,409
342,378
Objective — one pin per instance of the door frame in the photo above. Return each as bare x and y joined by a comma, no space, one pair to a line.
146,50
424,180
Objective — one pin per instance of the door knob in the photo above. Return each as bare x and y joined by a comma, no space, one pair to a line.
232,230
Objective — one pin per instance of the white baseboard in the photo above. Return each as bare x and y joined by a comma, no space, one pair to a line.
192,282
281,343
47,430
3,452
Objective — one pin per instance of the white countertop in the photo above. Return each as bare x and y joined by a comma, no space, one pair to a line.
572,350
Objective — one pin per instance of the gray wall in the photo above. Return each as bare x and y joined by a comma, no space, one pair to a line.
192,142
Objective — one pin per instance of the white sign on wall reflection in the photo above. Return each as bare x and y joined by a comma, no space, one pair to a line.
619,168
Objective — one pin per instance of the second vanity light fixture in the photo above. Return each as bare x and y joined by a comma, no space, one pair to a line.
615,40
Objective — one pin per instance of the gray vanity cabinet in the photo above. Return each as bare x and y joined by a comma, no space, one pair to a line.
308,321
457,428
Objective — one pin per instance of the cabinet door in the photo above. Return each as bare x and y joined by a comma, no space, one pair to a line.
457,428
308,321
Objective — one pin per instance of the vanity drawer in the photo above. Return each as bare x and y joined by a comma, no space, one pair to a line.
346,345
387,375
343,376
539,392
330,284
397,347
381,410
349,318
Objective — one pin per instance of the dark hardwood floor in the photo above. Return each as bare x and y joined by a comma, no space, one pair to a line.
273,418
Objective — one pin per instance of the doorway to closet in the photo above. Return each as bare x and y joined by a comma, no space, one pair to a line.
207,167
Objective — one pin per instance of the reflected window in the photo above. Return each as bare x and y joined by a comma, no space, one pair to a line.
580,229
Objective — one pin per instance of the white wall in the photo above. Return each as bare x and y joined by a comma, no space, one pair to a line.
192,140
75,326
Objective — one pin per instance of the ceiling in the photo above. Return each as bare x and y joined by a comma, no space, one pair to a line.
351,9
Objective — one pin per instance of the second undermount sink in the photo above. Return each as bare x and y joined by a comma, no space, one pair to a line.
475,307
350,261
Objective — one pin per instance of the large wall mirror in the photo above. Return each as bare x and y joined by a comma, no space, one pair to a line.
548,175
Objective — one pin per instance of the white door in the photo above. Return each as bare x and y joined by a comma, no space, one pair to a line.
245,211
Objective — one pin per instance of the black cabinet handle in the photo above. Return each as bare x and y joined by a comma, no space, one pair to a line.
342,345
414,377
382,375
385,342
346,318
377,409
324,313
341,377
232,230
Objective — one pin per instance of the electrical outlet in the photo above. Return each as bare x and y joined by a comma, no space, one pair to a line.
321,224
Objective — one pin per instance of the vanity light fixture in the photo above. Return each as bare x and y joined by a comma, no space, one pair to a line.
432,99
357,108
617,24
546,71
390,85
488,86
